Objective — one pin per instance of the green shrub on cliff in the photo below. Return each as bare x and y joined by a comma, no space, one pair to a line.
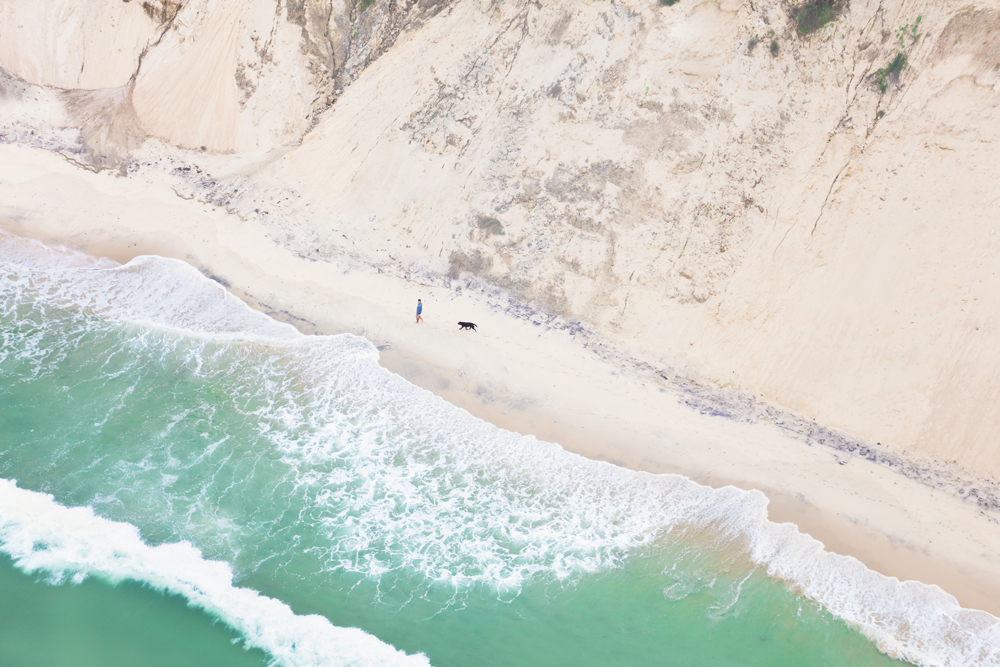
813,15
490,225
893,69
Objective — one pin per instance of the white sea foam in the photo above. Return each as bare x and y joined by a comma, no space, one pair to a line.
156,290
472,503
71,543
909,620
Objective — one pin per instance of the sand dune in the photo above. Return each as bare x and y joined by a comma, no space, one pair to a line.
71,44
186,90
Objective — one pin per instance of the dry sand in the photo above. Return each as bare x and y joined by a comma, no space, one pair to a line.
520,374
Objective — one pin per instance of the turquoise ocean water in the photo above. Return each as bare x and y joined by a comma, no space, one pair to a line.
184,481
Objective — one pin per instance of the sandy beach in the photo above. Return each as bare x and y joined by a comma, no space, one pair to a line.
749,243
526,372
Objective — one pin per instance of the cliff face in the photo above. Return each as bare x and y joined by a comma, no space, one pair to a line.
216,75
71,44
811,217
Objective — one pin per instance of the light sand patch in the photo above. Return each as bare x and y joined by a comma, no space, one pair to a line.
73,44
186,90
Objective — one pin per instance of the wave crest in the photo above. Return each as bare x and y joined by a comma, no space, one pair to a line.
72,543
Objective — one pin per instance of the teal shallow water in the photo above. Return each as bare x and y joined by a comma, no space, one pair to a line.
616,618
302,474
93,624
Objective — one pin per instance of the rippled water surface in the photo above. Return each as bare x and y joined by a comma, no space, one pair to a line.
156,431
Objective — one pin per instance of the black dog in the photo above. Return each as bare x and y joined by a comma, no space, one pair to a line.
467,325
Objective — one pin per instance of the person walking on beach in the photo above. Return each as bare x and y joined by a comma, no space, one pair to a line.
420,309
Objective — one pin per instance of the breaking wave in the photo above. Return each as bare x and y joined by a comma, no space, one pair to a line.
387,477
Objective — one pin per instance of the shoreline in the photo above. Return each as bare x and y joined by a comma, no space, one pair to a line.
878,550
520,375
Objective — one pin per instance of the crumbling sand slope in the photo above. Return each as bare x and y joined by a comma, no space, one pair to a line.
707,186
73,44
